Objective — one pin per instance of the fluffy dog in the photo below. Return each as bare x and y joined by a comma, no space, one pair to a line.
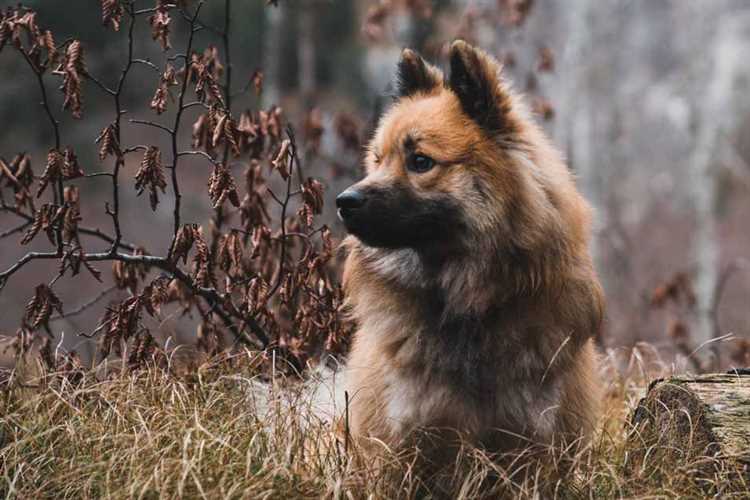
468,273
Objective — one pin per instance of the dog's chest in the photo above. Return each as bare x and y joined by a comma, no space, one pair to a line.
465,379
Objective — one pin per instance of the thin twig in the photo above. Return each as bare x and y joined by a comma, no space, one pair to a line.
115,212
15,230
153,124
81,229
85,305
284,204
176,128
200,153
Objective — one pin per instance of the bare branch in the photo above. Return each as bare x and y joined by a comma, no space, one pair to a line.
78,310
153,124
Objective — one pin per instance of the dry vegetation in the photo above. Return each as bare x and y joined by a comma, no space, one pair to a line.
257,274
260,286
224,431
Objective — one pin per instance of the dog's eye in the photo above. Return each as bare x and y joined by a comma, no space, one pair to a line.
419,163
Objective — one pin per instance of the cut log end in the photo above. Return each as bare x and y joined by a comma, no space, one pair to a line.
701,421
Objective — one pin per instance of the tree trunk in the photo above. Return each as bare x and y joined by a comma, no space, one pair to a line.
703,421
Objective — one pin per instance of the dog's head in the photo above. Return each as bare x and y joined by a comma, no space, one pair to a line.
439,167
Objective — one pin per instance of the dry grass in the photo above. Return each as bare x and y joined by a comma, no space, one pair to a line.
219,432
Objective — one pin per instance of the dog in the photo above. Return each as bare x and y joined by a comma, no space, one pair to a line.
468,272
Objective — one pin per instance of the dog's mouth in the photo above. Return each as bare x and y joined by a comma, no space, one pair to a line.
395,218
342,213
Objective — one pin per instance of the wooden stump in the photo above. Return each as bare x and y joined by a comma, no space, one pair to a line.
700,422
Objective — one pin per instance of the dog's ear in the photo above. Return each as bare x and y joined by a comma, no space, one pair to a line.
475,79
414,75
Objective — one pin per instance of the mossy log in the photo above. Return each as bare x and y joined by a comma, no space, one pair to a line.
701,422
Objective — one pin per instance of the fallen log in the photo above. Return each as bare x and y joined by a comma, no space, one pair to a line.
701,423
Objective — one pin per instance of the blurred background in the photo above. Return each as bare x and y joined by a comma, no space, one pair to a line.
647,99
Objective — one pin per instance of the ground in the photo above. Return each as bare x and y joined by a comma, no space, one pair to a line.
222,431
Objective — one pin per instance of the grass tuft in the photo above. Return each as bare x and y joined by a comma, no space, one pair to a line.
222,433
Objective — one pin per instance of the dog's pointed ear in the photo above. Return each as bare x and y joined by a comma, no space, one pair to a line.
475,79
414,75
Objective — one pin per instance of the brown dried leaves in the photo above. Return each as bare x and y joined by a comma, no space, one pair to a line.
205,71
183,242
71,69
188,236
59,166
283,160
45,219
40,308
160,25
19,176
221,186
312,200
72,215
230,252
112,13
108,143
40,47
167,79
151,175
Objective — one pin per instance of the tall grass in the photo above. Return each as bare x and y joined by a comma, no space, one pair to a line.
224,432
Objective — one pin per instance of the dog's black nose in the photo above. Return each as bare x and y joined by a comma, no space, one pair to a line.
350,199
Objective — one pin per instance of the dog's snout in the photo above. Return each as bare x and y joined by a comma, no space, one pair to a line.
350,199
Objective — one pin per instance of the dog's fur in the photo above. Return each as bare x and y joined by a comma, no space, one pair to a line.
471,284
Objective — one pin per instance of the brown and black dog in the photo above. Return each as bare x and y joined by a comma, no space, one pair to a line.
469,273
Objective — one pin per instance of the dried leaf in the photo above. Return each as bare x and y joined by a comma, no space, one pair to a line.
151,175
112,13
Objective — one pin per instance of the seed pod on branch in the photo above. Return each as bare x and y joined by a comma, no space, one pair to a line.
256,296
112,13
155,294
212,62
202,276
40,308
70,168
260,239
252,140
44,219
206,84
151,174
160,25
119,323
270,124
47,42
312,200
167,79
183,242
53,171
221,186
230,252
6,28
202,133
72,67
108,144
72,214
226,131
283,159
